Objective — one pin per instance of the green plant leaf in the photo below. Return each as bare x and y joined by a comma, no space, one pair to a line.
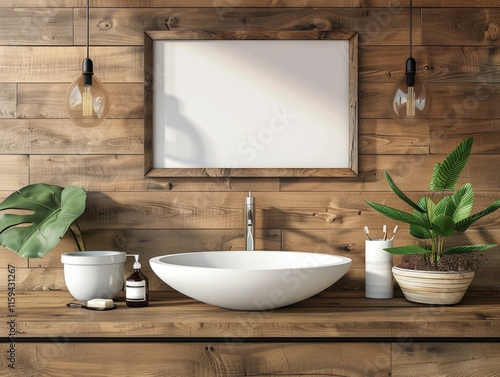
434,178
443,225
467,249
420,232
430,209
445,175
462,200
405,250
401,194
48,212
396,214
445,207
464,224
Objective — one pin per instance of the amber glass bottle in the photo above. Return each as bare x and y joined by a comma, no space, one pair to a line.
137,287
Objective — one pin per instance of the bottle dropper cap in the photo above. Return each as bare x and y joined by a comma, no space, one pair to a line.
137,264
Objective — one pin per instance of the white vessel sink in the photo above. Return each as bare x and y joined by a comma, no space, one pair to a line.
250,280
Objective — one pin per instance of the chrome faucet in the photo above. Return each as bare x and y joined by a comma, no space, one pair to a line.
249,223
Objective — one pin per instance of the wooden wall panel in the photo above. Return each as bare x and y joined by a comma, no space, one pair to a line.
49,136
214,184
126,25
53,64
473,64
9,258
43,100
41,49
14,172
32,26
445,134
94,172
461,27
384,136
463,100
219,210
410,172
8,92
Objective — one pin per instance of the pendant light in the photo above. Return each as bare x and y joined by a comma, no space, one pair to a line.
88,102
410,98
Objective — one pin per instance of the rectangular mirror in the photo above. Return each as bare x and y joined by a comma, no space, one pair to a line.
250,103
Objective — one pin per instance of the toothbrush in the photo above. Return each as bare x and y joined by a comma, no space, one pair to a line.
394,232
365,229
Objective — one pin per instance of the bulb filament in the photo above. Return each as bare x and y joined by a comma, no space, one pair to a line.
410,101
87,101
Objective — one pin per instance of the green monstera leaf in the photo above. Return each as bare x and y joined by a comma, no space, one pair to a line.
44,214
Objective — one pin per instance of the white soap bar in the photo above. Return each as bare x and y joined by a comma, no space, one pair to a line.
103,303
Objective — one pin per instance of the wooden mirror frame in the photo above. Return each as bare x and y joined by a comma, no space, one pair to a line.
151,36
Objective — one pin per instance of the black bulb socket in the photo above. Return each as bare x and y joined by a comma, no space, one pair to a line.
87,71
411,71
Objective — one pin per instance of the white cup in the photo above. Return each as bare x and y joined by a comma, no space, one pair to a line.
378,269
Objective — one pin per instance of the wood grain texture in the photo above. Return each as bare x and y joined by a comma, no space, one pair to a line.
410,172
434,63
446,359
125,26
94,172
43,136
453,100
48,101
64,64
219,210
327,315
461,27
32,26
8,94
445,134
385,136
349,244
14,172
230,359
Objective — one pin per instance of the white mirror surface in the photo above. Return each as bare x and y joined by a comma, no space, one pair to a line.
251,104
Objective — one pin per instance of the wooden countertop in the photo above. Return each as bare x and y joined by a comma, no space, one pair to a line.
42,316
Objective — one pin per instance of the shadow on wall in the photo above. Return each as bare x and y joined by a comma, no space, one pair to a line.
182,141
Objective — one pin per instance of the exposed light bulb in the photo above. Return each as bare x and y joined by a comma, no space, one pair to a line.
87,102
410,97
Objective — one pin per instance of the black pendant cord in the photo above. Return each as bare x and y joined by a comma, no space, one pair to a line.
88,32
411,64
411,28
87,64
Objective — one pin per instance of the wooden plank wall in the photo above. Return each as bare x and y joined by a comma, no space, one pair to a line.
41,49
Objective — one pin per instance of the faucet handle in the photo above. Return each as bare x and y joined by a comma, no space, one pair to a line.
250,198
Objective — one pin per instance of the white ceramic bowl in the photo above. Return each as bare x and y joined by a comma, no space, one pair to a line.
94,274
250,280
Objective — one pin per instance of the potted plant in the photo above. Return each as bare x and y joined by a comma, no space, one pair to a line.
38,216
433,219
